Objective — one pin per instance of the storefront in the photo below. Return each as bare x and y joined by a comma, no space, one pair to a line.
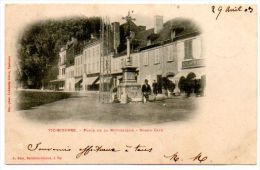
57,85
191,78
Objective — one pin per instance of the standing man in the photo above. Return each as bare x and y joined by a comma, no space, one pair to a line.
146,90
154,87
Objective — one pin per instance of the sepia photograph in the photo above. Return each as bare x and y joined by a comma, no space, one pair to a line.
130,84
110,71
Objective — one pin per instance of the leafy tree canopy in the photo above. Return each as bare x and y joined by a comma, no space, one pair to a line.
40,44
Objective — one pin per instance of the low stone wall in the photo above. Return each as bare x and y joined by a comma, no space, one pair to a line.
25,99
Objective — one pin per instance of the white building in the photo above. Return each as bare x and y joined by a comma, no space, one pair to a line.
91,64
70,79
175,51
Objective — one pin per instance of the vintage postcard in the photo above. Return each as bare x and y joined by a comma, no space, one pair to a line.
131,83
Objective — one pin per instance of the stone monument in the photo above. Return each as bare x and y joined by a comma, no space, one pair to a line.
129,90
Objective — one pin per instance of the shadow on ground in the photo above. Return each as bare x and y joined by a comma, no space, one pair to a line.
88,108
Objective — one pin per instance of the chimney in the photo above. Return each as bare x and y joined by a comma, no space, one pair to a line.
158,23
116,35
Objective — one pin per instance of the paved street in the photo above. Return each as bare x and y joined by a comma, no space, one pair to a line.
88,108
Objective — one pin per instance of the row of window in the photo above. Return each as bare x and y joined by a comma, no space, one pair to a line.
78,60
70,74
119,63
78,71
87,68
192,49
168,52
63,71
91,54
91,63
92,67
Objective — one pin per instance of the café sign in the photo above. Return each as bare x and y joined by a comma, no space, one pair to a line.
193,63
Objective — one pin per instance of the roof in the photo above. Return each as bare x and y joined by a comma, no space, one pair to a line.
143,36
187,26
184,28
91,43
133,26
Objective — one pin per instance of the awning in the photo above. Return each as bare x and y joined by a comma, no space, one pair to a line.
96,81
197,71
78,80
119,77
91,80
57,80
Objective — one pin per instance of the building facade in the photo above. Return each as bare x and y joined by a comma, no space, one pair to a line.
170,51
91,65
70,79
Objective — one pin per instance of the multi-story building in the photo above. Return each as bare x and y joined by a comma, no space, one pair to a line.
172,50
91,64
62,68
78,69
70,78
172,60
66,59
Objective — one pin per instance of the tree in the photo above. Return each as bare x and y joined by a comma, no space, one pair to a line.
40,43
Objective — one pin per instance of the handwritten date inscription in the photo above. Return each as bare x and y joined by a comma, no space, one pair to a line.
230,9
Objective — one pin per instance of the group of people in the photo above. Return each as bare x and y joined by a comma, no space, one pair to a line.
188,87
157,88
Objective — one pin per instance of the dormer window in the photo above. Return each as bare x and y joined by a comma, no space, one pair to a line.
149,42
173,34
151,38
175,31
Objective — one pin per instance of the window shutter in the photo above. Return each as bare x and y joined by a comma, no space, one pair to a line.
188,49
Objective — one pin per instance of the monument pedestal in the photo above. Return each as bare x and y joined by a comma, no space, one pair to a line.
129,90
